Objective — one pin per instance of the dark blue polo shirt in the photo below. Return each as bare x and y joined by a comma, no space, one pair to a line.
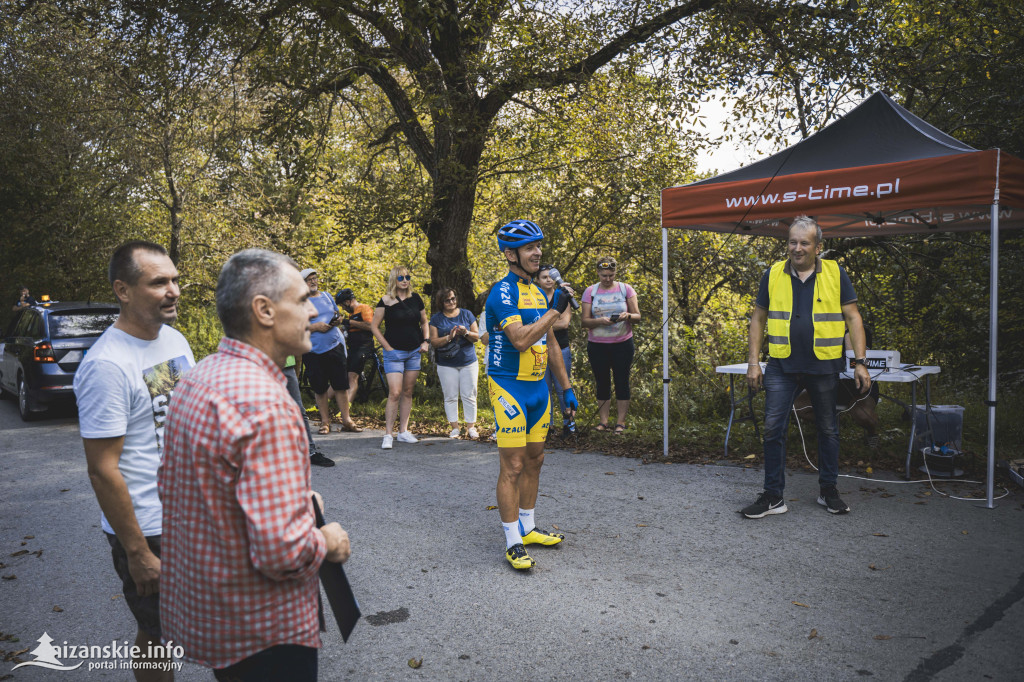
801,328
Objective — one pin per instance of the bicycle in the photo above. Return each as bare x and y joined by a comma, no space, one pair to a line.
372,377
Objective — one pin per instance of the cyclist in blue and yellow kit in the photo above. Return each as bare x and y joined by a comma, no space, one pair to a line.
518,318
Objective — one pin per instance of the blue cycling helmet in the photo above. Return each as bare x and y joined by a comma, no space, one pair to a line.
518,233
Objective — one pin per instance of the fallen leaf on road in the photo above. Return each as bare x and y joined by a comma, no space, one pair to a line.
64,490
415,662
872,567
38,553
30,537
880,535
491,506
963,532
733,641
882,637
750,457
609,473
10,577
20,552
922,502
814,633
641,525
58,609
463,657
555,527
802,605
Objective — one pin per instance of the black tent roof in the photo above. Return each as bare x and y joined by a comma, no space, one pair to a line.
877,131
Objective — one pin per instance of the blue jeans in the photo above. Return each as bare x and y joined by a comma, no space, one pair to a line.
559,391
781,390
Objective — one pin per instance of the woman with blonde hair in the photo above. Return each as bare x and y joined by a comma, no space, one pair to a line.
404,337
609,311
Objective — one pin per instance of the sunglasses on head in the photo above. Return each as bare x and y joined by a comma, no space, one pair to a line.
606,265
403,278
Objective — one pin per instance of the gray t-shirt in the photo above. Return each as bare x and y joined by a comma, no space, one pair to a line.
123,388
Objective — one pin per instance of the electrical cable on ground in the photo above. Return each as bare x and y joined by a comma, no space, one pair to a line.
930,481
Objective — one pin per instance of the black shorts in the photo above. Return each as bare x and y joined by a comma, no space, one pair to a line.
358,357
145,609
327,369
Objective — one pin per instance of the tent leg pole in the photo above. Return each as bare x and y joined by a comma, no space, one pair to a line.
993,326
664,341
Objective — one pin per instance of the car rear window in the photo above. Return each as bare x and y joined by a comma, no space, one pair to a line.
80,323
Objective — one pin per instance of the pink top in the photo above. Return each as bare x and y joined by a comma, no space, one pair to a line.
605,303
240,549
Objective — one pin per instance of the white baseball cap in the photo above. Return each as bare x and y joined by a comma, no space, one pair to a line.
307,272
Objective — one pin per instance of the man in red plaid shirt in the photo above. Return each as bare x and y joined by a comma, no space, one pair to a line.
241,551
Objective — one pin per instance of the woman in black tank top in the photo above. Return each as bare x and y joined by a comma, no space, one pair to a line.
561,333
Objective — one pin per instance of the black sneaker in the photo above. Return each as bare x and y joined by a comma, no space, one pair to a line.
829,499
320,459
766,504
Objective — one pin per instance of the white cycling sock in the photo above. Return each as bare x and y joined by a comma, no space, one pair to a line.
512,536
526,522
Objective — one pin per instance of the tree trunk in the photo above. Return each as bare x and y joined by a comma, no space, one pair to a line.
451,215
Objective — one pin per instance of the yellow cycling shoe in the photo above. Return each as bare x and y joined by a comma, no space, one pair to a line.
542,537
520,560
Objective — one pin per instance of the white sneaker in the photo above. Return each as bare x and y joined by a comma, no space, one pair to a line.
387,443
472,433
455,433
407,437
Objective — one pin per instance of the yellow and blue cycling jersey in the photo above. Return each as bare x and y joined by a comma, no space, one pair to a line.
519,395
514,299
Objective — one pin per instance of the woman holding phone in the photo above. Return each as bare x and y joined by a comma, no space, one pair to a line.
609,311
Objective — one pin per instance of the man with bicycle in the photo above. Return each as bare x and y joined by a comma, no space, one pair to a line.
360,338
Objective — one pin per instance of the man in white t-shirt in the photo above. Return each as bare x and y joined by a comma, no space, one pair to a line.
123,388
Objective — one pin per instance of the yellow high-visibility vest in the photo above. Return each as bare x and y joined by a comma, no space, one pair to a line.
826,312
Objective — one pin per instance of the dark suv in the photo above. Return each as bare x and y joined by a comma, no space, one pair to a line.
43,346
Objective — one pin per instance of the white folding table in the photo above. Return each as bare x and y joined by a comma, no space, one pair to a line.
904,374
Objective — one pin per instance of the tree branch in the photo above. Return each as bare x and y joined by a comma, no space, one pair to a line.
588,66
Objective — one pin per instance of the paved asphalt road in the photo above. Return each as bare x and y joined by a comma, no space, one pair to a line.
659,578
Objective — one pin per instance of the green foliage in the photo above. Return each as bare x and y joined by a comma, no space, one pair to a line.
314,130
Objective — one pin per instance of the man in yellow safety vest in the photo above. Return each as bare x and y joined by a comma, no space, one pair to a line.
805,303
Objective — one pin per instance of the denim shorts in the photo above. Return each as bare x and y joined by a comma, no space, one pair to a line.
398,361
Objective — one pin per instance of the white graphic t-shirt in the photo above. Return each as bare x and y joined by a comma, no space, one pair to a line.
123,388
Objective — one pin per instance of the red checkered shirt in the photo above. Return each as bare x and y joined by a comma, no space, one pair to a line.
240,549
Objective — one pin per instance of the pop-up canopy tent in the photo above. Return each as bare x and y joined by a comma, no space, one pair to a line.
878,170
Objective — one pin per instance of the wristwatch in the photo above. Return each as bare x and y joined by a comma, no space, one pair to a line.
858,361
